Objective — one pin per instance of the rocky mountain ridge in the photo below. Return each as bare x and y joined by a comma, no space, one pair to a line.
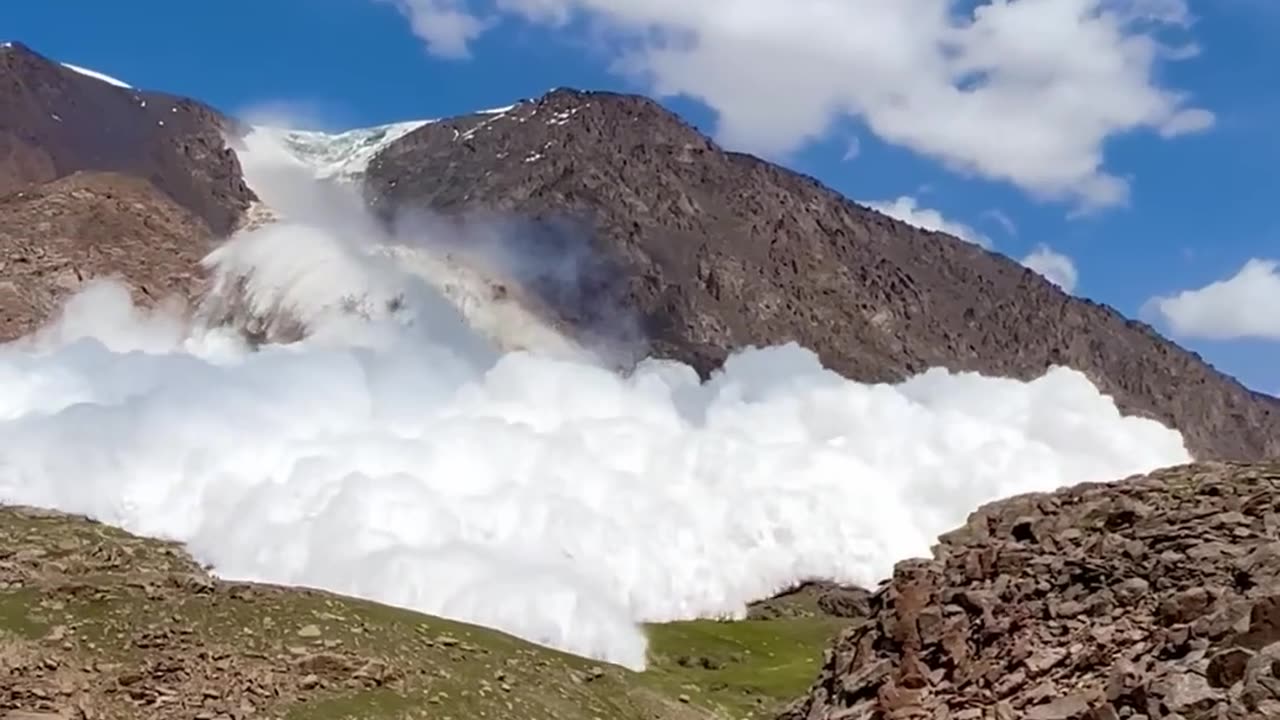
712,250
717,250
102,180
56,121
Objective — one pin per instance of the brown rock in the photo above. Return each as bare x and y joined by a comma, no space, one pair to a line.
1075,707
56,237
1130,662
1227,667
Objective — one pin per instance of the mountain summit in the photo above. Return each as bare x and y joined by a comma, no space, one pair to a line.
713,250
99,179
719,250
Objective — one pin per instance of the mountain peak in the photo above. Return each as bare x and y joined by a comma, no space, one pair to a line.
719,250
60,119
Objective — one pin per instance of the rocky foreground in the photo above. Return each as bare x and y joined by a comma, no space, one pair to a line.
1156,597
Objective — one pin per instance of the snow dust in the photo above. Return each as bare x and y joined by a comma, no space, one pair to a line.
400,452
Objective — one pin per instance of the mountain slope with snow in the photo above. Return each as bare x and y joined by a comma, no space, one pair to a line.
343,155
399,453
716,251
98,76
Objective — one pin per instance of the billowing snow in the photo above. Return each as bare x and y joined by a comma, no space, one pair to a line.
98,76
399,454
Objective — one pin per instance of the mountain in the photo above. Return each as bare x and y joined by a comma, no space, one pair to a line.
57,235
56,120
712,250
718,250
98,179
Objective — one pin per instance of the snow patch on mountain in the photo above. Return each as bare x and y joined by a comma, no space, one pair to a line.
97,76
342,156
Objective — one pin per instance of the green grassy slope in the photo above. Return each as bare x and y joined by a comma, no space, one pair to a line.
96,623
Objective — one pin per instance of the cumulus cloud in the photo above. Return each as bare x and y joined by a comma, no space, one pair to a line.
1026,91
1242,306
908,210
397,454
1056,267
446,26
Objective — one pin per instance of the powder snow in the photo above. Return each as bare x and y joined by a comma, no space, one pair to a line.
400,453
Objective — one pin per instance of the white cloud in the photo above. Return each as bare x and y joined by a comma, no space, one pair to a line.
1242,306
852,150
445,26
1023,91
1003,219
908,210
1056,267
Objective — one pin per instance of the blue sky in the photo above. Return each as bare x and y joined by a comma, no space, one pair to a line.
1176,98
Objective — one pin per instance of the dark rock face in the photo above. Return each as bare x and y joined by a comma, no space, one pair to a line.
1153,597
55,122
721,250
56,236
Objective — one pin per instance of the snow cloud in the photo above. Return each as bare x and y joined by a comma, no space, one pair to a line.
445,26
1242,306
397,453
1021,91
1056,267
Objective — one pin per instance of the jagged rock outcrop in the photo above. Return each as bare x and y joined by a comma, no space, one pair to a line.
718,250
55,122
1154,597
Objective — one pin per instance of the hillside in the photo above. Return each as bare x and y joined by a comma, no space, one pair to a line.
711,250
719,250
58,235
55,121
97,624
1152,597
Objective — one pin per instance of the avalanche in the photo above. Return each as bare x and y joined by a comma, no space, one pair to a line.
404,454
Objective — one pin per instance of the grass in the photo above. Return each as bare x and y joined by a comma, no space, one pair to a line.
740,669
110,625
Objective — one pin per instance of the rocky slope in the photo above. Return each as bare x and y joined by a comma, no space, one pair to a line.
102,180
719,250
97,624
55,121
1155,597
56,236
